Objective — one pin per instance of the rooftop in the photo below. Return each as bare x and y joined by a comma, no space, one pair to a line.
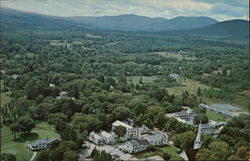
105,134
138,142
119,123
43,141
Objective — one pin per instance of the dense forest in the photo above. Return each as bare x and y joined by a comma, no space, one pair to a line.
95,69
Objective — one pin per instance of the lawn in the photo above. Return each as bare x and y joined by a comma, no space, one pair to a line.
156,80
189,85
5,98
174,55
214,116
17,148
145,79
171,151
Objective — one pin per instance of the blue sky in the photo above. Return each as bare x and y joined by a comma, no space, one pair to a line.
218,9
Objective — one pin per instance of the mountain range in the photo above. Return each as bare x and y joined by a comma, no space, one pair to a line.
129,22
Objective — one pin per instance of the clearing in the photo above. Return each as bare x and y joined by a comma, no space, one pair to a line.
43,130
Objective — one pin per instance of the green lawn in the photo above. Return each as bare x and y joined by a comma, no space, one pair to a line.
145,79
5,98
17,148
214,116
173,55
188,85
171,151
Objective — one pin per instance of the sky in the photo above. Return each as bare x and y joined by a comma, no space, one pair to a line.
218,9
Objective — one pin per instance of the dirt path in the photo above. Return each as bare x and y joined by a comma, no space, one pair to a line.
33,156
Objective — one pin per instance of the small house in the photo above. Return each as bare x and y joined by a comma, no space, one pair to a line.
41,144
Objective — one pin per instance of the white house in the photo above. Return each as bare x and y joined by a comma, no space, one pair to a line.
95,138
142,130
41,144
135,146
156,138
175,76
107,137
101,137
187,116
131,132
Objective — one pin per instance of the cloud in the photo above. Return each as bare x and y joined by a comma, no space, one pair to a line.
219,9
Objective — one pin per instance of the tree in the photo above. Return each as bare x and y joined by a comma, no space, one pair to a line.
119,131
165,155
198,92
220,149
121,113
233,157
206,140
14,128
185,140
7,157
154,117
70,156
26,124
205,154
82,122
43,155
202,118
242,152
140,81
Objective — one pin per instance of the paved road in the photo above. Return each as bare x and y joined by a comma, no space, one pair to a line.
33,156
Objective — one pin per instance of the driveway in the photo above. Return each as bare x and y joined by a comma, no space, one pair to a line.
33,156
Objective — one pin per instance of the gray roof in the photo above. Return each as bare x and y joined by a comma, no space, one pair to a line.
138,142
182,113
142,142
43,141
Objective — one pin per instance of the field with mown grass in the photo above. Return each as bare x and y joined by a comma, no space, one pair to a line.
43,130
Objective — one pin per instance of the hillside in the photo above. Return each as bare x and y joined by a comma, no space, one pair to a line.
33,20
231,28
141,23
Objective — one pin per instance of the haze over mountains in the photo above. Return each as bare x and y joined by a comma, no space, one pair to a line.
129,22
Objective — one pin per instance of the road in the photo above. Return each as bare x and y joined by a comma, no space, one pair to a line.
33,156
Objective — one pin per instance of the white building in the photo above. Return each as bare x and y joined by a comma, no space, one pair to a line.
156,138
135,146
142,131
101,137
175,76
95,138
107,137
131,132
41,144
186,116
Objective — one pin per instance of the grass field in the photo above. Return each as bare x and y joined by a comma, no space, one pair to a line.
214,116
145,79
17,148
173,55
5,98
171,151
189,85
